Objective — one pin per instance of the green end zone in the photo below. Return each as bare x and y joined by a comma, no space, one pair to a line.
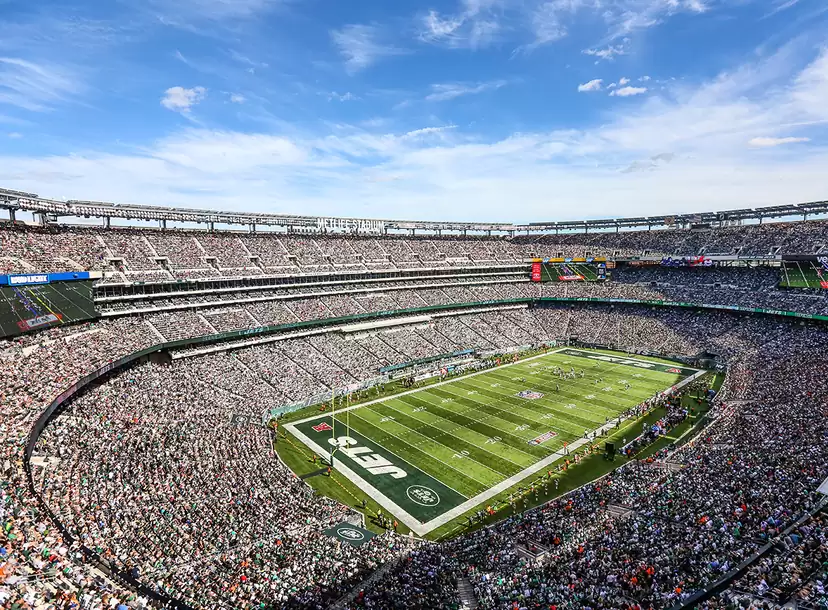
408,487
432,454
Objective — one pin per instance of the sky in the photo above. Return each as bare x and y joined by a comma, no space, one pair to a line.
471,110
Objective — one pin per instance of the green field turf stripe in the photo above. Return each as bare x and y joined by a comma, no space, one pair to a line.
594,369
479,423
512,407
426,437
442,471
561,397
656,380
506,413
423,416
483,425
608,402
523,406
389,484
631,363
444,435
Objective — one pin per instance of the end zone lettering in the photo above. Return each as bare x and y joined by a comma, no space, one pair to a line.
373,463
323,427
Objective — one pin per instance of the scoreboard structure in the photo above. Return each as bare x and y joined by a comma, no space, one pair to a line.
569,269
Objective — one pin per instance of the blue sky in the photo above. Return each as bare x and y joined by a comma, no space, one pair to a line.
518,110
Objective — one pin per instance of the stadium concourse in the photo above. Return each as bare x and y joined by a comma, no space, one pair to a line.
163,473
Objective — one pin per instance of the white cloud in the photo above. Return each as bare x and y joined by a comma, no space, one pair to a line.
428,131
237,98
35,86
628,91
342,97
14,135
593,85
607,54
448,91
782,5
547,21
475,26
762,142
661,153
623,81
182,100
436,29
628,16
243,59
644,79
359,45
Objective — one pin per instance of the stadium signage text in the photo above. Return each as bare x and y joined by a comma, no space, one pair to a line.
23,280
372,462
350,225
39,321
543,438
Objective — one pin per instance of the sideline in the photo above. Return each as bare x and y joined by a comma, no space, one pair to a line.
419,528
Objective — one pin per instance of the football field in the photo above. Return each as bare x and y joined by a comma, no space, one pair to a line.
27,308
805,275
429,455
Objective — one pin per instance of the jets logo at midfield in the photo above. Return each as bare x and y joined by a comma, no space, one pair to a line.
422,495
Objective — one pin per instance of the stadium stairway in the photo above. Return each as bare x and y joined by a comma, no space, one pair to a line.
465,591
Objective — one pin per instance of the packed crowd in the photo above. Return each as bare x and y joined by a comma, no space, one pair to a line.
195,313
742,484
153,255
155,471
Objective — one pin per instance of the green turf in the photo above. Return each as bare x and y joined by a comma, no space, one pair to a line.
550,272
802,275
474,432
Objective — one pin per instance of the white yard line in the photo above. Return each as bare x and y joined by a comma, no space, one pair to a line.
459,438
422,529
434,385
482,420
416,447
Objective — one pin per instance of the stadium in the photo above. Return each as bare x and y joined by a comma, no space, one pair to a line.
206,409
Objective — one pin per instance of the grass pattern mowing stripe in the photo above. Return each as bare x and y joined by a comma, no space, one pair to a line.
480,426
433,433
431,465
423,419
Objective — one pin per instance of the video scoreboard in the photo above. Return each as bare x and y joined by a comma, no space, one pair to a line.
569,270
